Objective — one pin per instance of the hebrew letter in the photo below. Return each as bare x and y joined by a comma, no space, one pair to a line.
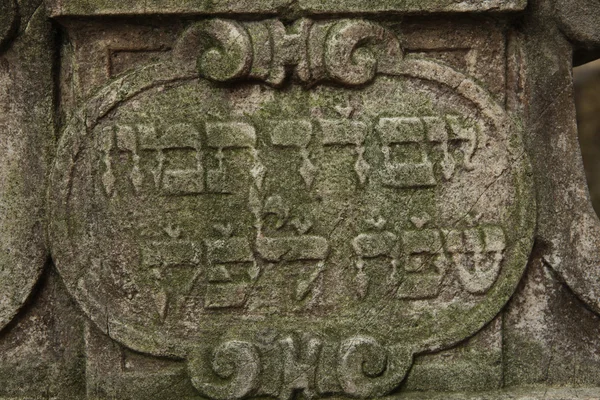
409,134
228,276
227,136
425,264
296,134
477,255
348,133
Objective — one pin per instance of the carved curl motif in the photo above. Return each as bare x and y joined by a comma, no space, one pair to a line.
367,369
235,362
349,52
224,48
359,367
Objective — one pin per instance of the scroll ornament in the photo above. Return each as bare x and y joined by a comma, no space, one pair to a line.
348,52
362,368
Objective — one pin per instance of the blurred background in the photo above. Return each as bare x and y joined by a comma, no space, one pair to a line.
587,99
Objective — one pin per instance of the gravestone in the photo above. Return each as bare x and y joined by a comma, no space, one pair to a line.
295,199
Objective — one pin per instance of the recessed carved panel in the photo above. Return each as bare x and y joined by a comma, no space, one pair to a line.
302,213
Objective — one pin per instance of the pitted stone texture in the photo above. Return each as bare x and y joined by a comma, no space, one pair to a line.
181,209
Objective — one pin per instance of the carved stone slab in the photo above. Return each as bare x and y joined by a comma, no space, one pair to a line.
299,209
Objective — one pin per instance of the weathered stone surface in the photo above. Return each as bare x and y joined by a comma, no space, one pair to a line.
26,136
568,228
295,199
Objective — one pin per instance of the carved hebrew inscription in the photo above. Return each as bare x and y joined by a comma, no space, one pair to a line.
403,149
317,229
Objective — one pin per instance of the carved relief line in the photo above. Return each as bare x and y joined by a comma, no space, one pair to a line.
109,97
434,72
117,56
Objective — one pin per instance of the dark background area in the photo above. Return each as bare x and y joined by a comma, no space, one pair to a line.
587,98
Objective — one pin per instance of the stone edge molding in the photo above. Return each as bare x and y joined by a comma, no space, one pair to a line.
512,394
569,228
72,8
25,130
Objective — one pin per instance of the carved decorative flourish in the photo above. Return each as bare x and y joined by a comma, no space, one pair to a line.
238,364
366,369
221,49
359,367
349,52
356,50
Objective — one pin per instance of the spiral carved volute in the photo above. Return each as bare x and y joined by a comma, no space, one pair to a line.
349,52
